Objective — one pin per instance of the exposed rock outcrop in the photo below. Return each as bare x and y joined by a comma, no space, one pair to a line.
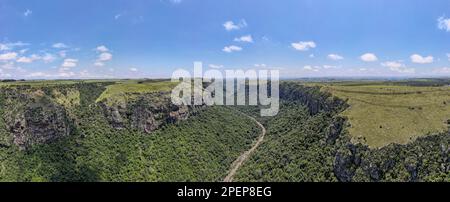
315,100
146,112
32,118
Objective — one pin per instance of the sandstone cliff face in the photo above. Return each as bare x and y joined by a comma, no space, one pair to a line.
315,100
32,118
147,112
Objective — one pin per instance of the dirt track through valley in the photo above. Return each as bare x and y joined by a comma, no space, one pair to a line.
244,156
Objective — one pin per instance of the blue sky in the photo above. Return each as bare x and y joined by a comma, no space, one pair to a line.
302,38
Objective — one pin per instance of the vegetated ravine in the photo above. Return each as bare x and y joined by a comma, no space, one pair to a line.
245,155
63,133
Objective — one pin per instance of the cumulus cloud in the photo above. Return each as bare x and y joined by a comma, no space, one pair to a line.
335,57
312,68
260,65
30,59
105,57
214,66
392,64
230,25
60,45
102,49
331,67
369,57
232,48
448,56
246,38
444,23
99,64
397,66
175,1
416,58
133,69
8,56
70,62
47,58
3,47
10,46
303,45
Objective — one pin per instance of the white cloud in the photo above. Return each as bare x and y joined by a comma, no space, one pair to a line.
3,47
448,56
260,65
102,49
303,45
9,46
70,62
397,66
246,38
116,17
335,57
133,69
230,25
23,51
392,64
214,66
99,64
369,57
416,58
28,59
27,12
60,45
311,68
312,55
331,67
176,1
8,56
104,57
47,58
444,23
232,48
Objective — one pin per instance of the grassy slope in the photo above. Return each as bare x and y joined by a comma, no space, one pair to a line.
131,87
382,114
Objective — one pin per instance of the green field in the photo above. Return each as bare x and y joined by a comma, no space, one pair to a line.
383,113
124,89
